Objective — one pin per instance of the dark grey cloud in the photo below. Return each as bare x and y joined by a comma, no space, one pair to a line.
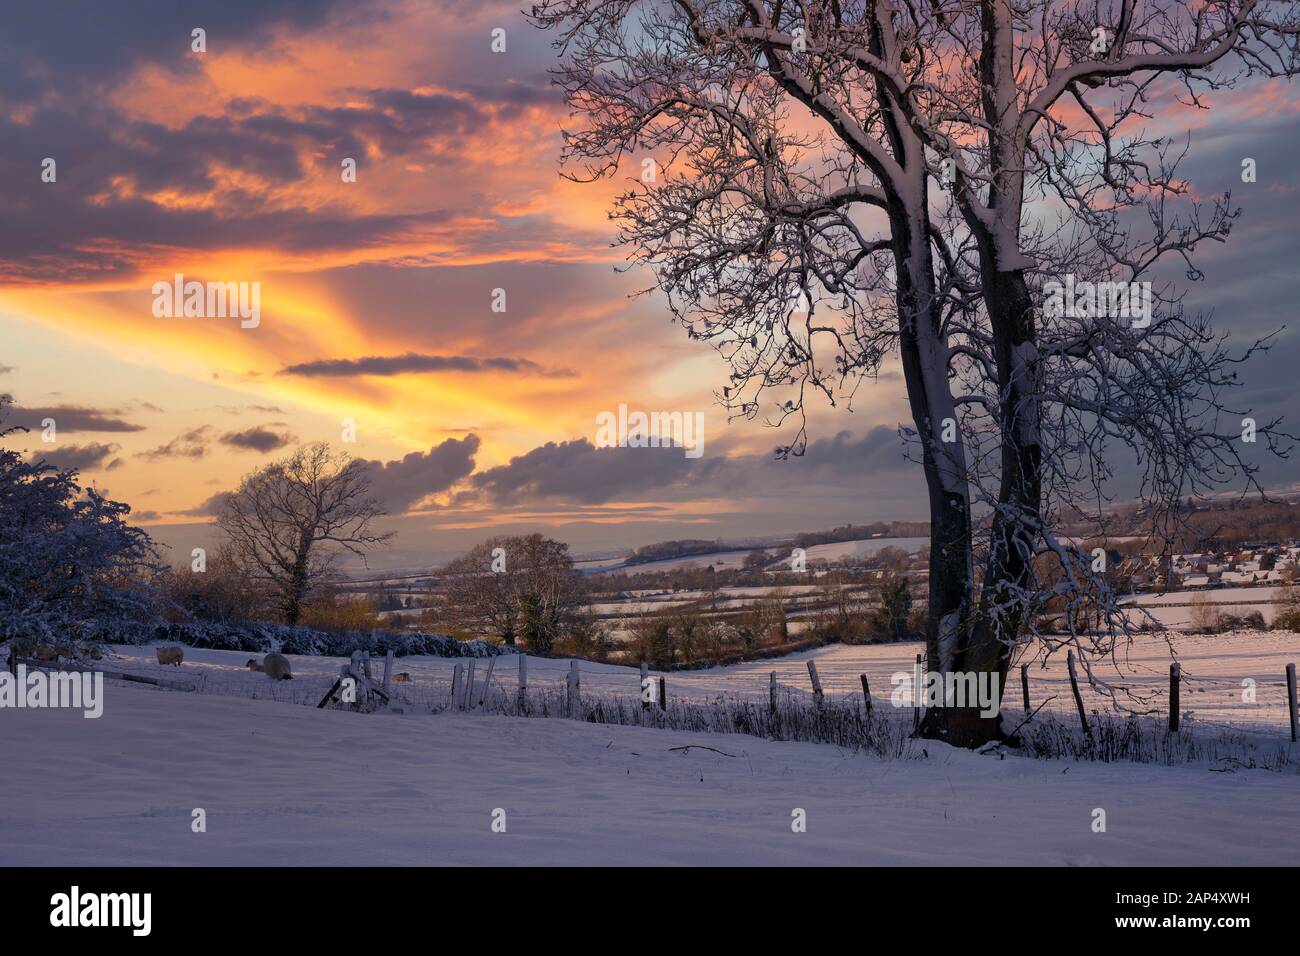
87,43
1249,284
397,484
403,483
79,457
238,410
210,507
413,362
83,227
62,234
257,439
49,228
190,444
579,472
71,418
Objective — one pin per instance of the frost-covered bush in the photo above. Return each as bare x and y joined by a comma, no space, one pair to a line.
67,554
221,637
302,640
106,630
261,637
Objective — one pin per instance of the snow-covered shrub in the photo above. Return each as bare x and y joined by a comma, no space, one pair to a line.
221,637
842,722
261,637
1148,740
67,555
110,630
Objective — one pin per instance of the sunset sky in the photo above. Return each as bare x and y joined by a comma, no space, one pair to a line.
376,296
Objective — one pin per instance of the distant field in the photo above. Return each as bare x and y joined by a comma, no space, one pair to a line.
1175,609
733,558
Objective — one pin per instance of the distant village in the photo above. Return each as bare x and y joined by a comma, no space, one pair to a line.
1271,563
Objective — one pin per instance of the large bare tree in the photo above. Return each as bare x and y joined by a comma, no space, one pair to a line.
824,183
290,521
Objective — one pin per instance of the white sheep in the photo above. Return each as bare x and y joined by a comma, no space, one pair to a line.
275,666
170,655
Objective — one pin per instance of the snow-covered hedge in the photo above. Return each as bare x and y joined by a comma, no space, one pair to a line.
304,640
254,637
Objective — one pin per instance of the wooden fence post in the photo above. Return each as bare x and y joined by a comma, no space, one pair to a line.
487,681
1290,697
1024,684
771,692
388,670
1074,686
645,676
523,681
663,693
1174,673
455,685
469,686
574,695
816,684
918,679
866,693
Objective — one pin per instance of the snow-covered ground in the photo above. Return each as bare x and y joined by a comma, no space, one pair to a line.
1214,668
1177,610
284,784
1243,595
295,785
734,558
863,547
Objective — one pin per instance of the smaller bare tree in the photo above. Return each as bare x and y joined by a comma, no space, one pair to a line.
290,521
225,590
520,589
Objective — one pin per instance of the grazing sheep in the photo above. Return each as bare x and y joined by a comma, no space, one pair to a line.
402,678
275,666
171,655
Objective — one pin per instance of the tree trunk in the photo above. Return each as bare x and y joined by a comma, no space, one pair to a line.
924,353
924,356
297,587
1008,572
987,643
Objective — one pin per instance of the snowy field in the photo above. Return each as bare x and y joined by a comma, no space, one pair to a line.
1176,610
284,784
1213,667
735,558
295,785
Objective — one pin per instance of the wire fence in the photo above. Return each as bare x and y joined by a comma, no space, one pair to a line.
783,710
